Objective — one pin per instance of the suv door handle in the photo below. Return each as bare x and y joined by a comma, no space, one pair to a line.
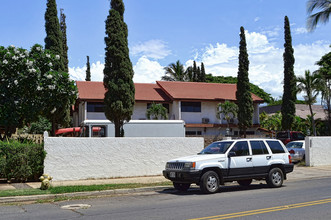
248,159
268,157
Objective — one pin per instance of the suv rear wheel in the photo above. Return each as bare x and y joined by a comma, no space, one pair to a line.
209,182
181,186
275,177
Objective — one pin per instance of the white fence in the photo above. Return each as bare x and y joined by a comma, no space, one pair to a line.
318,151
94,158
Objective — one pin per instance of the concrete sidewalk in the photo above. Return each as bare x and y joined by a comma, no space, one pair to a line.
299,173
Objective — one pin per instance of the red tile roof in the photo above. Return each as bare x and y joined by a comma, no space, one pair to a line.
165,91
150,92
201,91
91,90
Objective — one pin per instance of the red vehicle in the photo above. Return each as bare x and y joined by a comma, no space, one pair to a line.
288,136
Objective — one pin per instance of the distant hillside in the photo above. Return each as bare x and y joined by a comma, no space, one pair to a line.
233,80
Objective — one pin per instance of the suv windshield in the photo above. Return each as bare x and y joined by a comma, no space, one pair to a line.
217,148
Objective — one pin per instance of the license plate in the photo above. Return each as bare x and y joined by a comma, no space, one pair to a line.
172,174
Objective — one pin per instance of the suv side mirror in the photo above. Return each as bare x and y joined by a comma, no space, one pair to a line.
232,154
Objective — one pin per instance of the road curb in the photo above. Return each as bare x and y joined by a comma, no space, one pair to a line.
16,199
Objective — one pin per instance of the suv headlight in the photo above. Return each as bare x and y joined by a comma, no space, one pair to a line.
189,165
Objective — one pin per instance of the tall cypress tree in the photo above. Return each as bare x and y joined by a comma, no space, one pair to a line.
289,95
118,71
194,70
88,69
243,95
53,39
63,27
203,73
198,74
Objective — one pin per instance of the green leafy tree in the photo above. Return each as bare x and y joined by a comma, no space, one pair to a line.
243,95
29,88
118,72
157,111
174,72
325,72
53,40
63,27
88,69
228,111
322,15
271,122
310,84
288,106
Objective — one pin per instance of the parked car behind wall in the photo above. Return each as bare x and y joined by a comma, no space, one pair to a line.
288,136
297,150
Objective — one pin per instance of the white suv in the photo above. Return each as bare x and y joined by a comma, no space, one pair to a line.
239,160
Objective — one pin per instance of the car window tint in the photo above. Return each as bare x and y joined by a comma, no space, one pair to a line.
217,147
282,135
240,148
294,145
276,147
258,147
300,136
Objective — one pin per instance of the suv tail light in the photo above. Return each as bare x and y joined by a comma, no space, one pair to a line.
292,151
289,158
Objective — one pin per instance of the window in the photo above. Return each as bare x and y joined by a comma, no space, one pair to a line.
95,107
258,147
190,106
236,133
276,147
240,148
190,133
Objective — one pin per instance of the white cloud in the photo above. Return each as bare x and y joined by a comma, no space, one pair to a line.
79,73
147,71
266,61
256,19
300,30
219,54
155,49
257,43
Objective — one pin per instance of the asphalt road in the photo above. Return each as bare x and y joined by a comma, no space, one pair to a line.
304,199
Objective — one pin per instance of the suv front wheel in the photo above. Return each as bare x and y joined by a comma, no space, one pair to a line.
209,182
275,177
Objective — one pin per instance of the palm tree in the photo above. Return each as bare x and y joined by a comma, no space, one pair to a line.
174,72
321,16
157,111
229,111
310,84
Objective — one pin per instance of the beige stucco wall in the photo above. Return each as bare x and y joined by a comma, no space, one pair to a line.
84,158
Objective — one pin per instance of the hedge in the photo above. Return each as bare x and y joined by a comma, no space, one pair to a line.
21,161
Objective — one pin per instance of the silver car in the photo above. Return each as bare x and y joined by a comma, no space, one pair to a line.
297,150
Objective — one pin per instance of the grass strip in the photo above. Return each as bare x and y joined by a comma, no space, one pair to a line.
79,188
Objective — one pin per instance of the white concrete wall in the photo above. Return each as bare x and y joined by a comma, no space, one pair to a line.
84,158
318,151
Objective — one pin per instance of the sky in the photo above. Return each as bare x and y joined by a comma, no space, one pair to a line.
164,31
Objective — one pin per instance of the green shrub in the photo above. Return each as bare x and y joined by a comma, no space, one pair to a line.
21,161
